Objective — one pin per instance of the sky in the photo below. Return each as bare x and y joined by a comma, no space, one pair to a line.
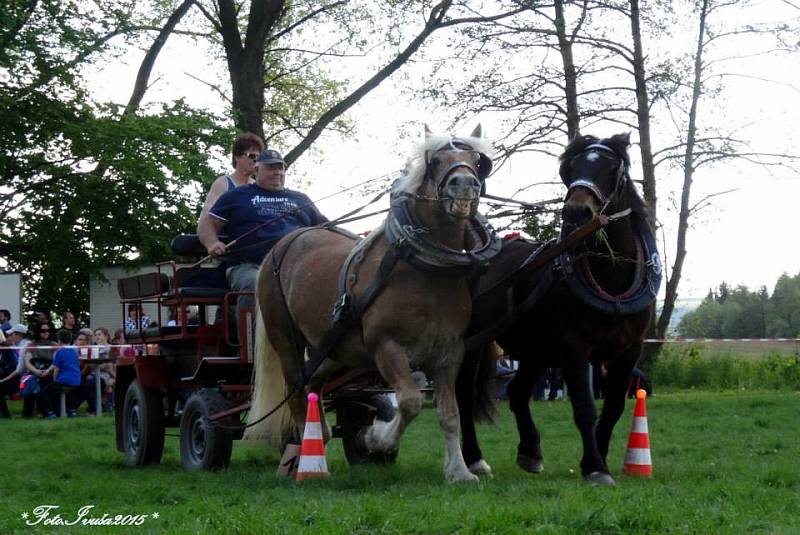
746,236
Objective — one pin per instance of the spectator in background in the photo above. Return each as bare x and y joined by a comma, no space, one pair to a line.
136,319
5,319
119,340
8,371
66,372
15,337
108,370
69,323
37,369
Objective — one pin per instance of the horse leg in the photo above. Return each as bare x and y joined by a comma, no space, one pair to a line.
392,363
444,378
593,467
619,375
465,392
529,452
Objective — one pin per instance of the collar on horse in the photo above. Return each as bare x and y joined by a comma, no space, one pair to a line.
573,268
409,238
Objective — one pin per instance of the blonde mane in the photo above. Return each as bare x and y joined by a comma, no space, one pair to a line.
416,165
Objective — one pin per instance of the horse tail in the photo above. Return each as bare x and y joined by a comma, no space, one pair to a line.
269,391
484,401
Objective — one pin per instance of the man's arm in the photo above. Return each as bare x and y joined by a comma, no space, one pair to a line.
208,229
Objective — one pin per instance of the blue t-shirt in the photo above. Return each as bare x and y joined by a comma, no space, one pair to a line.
69,371
247,207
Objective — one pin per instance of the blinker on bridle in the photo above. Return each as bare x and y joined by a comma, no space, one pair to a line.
608,153
480,170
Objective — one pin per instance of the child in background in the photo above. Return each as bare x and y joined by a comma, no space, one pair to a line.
66,372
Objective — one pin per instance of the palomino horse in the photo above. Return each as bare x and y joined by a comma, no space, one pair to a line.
592,305
315,282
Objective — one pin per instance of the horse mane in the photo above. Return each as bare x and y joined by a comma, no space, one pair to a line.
619,143
416,164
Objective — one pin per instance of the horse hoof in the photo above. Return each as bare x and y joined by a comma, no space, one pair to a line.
599,478
529,464
481,468
462,477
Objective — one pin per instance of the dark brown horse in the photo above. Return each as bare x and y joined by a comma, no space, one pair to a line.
431,240
592,305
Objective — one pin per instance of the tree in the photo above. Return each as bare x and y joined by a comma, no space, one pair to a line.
61,219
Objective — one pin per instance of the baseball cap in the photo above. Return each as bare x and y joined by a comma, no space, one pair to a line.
17,328
269,156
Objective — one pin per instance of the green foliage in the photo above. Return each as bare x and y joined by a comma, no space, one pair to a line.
741,313
542,226
84,187
691,368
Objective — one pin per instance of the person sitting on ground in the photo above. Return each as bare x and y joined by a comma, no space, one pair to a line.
36,377
257,215
66,373
244,152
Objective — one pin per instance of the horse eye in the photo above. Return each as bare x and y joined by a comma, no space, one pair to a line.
435,161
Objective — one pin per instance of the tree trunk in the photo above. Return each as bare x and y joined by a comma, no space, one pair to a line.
643,111
688,172
570,77
246,59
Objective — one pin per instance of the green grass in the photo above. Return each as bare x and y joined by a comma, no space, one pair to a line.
723,463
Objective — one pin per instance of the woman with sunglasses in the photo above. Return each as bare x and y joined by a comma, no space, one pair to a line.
246,148
38,359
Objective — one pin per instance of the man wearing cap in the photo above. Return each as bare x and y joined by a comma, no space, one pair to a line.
257,216
11,365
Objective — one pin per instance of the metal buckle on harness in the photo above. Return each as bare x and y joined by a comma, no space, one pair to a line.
341,308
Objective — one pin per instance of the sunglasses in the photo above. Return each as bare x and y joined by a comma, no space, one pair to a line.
252,156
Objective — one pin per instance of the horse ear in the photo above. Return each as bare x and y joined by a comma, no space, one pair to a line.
428,132
623,140
478,132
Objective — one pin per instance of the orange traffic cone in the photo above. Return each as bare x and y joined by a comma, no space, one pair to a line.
312,453
637,458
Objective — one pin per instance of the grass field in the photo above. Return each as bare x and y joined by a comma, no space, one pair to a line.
723,463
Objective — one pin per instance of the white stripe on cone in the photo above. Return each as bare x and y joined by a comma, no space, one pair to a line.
312,463
639,424
638,456
313,430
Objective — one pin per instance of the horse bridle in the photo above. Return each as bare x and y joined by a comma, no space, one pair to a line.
602,151
479,172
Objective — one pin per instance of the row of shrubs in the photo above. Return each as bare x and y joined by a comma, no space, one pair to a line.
689,367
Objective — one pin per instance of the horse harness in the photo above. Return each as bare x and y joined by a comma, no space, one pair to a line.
407,241
571,269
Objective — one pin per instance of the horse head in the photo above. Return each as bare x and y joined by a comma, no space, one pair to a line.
595,172
450,170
